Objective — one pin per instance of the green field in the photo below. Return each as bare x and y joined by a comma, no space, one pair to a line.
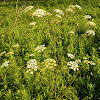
50,50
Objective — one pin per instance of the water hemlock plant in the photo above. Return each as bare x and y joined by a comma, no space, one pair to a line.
49,52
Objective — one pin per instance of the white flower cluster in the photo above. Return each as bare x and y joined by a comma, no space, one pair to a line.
91,23
87,16
6,63
75,6
90,32
32,64
33,23
39,13
89,62
28,8
70,55
98,47
2,53
40,48
58,11
73,65
71,7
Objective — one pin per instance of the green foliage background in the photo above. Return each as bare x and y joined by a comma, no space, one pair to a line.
59,83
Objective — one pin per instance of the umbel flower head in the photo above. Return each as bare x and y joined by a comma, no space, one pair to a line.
70,55
39,13
6,63
58,11
73,65
40,48
87,16
32,64
49,63
90,32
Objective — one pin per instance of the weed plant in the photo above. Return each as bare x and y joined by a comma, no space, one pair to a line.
53,55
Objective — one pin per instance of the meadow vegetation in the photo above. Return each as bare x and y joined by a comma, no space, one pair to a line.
50,50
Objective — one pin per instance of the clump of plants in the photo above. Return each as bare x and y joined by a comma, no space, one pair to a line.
49,54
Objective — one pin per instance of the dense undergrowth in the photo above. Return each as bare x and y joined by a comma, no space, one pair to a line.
52,53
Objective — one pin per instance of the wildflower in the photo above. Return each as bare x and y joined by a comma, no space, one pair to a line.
39,13
32,55
2,53
16,45
91,23
40,48
58,16
69,10
89,32
87,16
49,63
78,61
6,63
59,12
71,32
32,61
32,64
33,23
98,47
28,8
70,55
77,6
73,65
